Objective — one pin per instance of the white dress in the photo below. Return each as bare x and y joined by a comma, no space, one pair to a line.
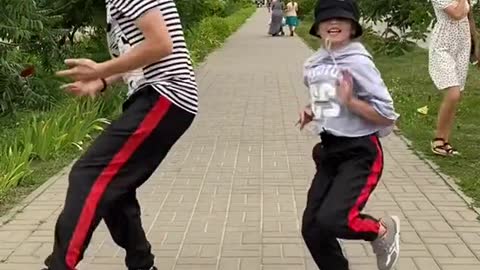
449,52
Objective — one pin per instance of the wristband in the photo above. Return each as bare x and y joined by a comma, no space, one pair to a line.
104,85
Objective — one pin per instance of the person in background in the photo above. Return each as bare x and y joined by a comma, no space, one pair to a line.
276,22
291,16
450,53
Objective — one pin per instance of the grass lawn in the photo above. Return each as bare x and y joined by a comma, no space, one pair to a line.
411,87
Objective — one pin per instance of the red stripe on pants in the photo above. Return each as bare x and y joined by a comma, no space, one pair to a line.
355,222
146,127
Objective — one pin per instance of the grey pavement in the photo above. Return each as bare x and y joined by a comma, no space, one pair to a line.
230,195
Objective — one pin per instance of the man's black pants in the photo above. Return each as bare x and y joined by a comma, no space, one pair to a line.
103,182
348,170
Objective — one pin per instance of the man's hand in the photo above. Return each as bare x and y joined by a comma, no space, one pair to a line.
82,70
84,88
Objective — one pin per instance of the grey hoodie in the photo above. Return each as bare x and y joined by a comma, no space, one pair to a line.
368,86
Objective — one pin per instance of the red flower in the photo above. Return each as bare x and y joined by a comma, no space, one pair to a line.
28,71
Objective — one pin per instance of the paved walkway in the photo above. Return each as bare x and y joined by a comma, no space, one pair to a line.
231,193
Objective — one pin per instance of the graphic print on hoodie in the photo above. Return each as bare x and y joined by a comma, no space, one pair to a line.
320,73
322,85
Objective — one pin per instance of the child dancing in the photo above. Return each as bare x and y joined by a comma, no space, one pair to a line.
351,108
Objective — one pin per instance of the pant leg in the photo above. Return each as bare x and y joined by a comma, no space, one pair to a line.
119,161
323,247
124,223
357,177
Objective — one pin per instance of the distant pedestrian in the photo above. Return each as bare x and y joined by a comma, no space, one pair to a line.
277,19
291,16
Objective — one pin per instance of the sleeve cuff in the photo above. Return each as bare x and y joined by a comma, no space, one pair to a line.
137,8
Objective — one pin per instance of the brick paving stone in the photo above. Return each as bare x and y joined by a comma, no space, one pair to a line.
230,195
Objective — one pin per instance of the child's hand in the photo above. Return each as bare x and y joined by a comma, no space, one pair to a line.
305,117
345,88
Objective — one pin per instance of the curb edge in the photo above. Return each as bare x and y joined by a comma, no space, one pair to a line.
450,181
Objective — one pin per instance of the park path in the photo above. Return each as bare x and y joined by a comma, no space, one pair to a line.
231,193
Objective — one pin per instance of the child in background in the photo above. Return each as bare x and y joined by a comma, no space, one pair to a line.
291,16
351,108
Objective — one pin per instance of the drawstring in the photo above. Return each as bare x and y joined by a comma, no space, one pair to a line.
328,48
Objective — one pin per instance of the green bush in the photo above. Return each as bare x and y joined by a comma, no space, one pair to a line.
306,8
44,136
405,19
211,32
232,6
40,91
15,157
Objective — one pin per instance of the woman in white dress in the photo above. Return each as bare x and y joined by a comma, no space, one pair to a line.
449,57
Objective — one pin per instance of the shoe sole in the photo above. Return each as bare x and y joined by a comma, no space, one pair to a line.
397,240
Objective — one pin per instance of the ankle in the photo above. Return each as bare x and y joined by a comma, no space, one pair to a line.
382,230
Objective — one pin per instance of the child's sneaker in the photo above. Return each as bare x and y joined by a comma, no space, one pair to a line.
387,247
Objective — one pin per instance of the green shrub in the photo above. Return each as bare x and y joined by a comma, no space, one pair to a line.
40,90
404,19
211,32
14,163
306,8
45,136
232,6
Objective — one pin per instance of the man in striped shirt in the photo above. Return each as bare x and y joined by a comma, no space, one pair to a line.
149,53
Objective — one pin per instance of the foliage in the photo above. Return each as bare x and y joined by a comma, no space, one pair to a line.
476,12
43,136
404,20
20,21
211,32
306,8
193,11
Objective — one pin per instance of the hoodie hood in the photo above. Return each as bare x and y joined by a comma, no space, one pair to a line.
344,56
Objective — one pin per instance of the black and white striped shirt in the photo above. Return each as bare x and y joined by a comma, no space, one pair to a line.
172,76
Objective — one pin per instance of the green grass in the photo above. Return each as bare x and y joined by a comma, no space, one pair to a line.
41,172
36,145
411,87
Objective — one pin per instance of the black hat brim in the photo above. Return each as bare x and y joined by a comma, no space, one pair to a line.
332,14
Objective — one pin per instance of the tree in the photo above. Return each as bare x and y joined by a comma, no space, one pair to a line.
20,20
75,14
405,19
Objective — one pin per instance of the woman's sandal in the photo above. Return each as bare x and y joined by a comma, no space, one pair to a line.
438,146
449,148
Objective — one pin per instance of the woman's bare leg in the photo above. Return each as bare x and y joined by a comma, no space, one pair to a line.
447,111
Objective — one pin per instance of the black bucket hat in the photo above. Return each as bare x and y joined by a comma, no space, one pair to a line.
331,9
